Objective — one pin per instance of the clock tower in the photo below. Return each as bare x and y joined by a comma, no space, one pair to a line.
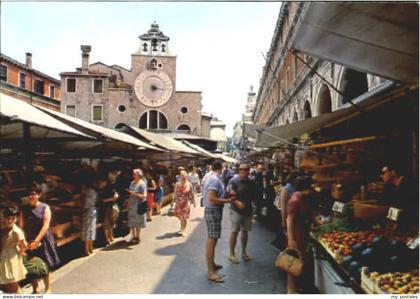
144,96
154,68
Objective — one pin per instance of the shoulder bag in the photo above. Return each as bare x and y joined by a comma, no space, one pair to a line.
142,207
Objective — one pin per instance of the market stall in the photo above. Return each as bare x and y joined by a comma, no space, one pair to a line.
357,238
365,233
50,149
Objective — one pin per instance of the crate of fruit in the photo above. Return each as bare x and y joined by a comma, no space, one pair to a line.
332,251
398,283
367,281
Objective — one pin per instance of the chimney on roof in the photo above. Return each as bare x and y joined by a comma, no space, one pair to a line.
85,58
29,60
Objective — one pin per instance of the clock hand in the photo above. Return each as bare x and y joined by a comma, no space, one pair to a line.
153,88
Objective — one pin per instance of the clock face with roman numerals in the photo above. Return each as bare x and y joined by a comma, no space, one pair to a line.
153,88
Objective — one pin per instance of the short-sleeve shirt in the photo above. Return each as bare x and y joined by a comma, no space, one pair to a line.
245,192
106,193
213,182
193,178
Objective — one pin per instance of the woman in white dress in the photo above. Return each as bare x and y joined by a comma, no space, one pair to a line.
12,249
138,196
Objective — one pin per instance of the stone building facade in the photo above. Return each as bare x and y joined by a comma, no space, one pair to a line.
23,82
144,96
218,133
291,91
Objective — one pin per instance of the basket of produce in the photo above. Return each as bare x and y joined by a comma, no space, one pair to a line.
398,282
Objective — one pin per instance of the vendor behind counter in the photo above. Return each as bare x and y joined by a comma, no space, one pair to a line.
401,192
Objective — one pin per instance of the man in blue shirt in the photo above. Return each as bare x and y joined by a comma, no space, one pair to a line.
213,201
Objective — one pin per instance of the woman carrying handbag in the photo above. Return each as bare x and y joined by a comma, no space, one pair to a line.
299,215
137,206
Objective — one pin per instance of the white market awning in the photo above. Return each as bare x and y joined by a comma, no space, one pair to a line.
376,38
226,158
199,149
165,142
117,138
14,112
273,136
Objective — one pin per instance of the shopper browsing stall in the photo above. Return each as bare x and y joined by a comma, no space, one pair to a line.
35,220
137,206
260,185
159,193
299,217
108,196
285,195
89,215
151,188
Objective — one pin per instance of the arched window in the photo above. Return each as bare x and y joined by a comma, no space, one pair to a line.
324,100
153,120
295,116
353,84
184,127
307,110
145,47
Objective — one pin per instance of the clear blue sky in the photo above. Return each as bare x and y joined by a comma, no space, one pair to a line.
218,45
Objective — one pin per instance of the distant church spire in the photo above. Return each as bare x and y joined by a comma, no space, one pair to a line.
251,92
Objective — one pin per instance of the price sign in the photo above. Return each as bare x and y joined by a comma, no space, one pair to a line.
394,213
338,207
413,243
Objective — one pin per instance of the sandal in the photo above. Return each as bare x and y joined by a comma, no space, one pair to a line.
233,259
246,257
217,267
216,279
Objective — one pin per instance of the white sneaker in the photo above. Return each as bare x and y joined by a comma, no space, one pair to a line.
128,238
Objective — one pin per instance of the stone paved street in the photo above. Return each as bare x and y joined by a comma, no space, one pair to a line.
164,263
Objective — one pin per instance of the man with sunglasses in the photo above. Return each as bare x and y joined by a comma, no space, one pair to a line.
401,192
244,191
